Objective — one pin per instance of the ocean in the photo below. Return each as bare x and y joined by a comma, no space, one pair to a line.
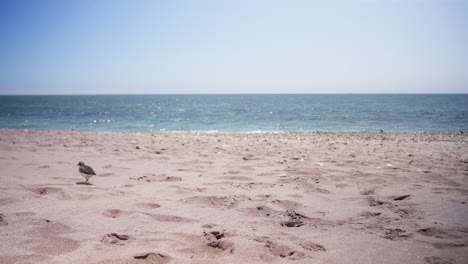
238,113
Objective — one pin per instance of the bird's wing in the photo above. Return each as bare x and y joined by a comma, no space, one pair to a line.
87,170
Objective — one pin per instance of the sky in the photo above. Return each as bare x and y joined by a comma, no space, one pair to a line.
243,46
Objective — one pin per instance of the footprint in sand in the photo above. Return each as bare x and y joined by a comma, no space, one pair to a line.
151,257
317,190
170,179
449,245
115,239
403,212
296,196
262,211
44,228
114,213
264,196
438,260
250,157
142,178
395,234
393,203
8,200
215,201
369,214
310,246
368,191
236,178
254,185
294,219
287,204
168,218
148,205
185,190
283,251
217,240
30,258
374,201
51,246
25,214
438,233
293,252
3,222
51,192
158,178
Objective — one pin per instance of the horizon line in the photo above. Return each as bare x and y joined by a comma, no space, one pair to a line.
123,94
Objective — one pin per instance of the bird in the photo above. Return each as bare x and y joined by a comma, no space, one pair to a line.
85,170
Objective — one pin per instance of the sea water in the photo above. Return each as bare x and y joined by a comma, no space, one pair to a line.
238,113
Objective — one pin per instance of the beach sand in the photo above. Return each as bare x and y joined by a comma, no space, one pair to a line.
233,198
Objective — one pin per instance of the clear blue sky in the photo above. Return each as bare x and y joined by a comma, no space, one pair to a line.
244,46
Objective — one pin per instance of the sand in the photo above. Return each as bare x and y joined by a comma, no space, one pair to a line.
233,198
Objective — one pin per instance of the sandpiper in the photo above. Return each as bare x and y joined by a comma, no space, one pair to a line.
85,170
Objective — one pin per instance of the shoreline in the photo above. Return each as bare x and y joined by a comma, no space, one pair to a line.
293,197
218,132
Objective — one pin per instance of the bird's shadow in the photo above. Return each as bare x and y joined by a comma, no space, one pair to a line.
83,183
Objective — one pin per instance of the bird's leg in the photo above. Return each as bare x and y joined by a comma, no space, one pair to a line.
87,179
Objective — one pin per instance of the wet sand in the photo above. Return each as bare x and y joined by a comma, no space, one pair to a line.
233,198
